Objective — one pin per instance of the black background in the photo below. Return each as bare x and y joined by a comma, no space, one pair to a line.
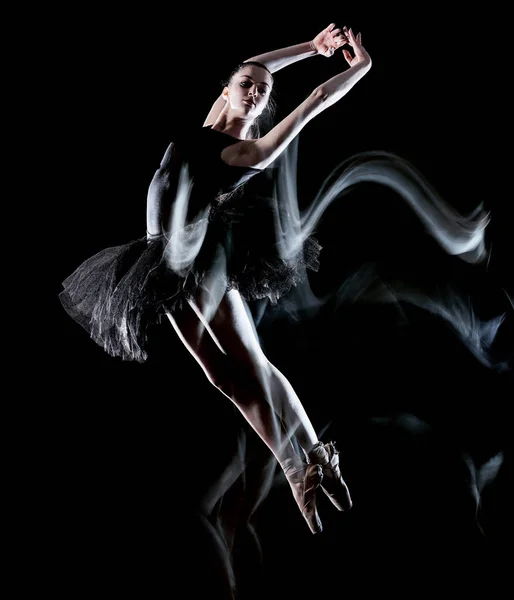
129,449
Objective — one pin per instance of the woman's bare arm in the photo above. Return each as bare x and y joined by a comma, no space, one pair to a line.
324,44
262,152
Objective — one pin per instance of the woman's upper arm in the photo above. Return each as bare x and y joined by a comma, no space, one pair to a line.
215,111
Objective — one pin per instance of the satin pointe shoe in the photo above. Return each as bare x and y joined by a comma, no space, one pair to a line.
333,484
305,479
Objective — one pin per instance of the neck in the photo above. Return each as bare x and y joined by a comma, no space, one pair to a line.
234,126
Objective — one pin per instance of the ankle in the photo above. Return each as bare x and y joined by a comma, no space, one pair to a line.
321,453
293,464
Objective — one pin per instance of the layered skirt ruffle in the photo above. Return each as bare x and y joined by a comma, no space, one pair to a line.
121,292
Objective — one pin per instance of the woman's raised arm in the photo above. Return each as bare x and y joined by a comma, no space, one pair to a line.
263,151
324,44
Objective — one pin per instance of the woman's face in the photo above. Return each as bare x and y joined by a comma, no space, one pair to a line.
248,91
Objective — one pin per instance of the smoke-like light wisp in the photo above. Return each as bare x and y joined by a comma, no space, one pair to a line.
458,235
184,239
478,475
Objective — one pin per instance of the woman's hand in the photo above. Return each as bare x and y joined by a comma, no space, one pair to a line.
329,40
355,41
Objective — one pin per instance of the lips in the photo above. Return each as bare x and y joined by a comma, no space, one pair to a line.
249,102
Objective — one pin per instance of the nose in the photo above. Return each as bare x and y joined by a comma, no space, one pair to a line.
253,91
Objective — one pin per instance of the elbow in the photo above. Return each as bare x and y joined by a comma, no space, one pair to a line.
319,99
319,95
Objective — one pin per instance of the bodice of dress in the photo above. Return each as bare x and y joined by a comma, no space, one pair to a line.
208,176
228,177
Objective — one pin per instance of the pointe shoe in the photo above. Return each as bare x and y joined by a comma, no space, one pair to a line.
305,480
333,484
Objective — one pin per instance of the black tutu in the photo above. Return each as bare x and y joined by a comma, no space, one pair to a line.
121,292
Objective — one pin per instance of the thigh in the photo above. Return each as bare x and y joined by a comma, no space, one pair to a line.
196,336
218,329
235,331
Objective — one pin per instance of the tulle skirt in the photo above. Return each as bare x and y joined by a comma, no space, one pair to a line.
121,292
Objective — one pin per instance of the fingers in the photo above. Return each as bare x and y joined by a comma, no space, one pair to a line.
348,33
334,31
353,40
339,39
348,56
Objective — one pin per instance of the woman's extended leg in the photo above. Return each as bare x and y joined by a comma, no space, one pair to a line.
226,346
221,337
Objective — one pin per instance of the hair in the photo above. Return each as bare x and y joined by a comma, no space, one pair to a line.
264,122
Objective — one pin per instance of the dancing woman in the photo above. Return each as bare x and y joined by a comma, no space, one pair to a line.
186,268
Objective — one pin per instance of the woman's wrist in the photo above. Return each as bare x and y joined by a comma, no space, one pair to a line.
313,47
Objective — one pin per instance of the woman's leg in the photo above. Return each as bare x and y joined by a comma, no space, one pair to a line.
225,344
258,380
218,331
